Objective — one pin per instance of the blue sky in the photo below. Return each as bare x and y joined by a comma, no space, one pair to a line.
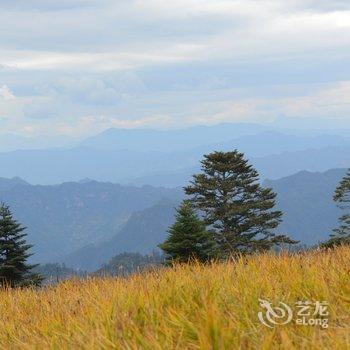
78,67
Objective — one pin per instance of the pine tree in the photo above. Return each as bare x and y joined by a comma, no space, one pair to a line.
188,238
342,198
235,205
14,270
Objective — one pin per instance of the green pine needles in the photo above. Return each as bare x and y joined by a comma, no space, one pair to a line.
235,210
341,196
14,270
188,238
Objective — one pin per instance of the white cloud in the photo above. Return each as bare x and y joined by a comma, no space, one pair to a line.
333,102
6,93
123,35
330,101
111,61
78,66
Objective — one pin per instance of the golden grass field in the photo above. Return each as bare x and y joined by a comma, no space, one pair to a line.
185,307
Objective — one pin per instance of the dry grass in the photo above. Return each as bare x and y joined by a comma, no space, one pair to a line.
187,307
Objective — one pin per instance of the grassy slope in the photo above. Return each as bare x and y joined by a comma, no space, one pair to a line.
187,307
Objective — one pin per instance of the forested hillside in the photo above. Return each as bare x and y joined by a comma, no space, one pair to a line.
85,224
141,233
306,200
64,218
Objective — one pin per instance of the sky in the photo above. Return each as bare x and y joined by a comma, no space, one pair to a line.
78,67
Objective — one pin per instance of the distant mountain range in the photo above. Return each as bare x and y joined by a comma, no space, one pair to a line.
8,184
64,218
168,158
305,199
169,140
255,140
141,233
269,167
85,224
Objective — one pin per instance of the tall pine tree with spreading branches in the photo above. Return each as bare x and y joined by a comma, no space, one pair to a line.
14,270
235,205
341,196
188,238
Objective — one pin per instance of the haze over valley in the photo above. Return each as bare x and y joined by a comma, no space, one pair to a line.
117,191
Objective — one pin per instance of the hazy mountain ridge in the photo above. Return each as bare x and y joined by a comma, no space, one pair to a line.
148,139
87,222
311,160
305,199
84,224
170,140
273,166
63,218
192,137
8,184
141,233
266,151
205,139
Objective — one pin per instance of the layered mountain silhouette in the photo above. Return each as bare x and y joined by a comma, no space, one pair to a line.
64,218
141,233
83,224
305,199
8,184
156,160
169,140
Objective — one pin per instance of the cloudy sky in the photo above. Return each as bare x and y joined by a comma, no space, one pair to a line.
76,67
